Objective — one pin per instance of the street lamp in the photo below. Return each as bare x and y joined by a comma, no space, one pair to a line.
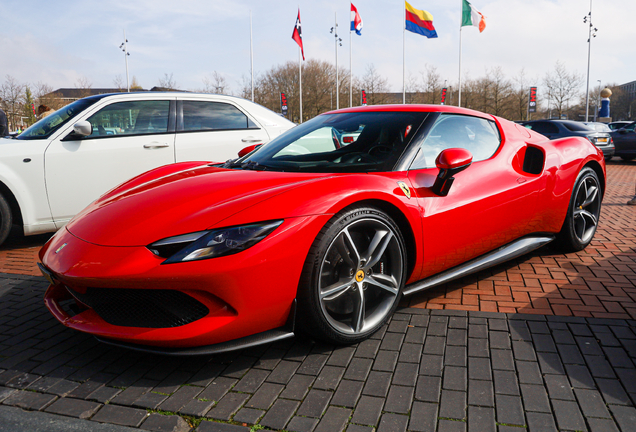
124,48
588,18
334,31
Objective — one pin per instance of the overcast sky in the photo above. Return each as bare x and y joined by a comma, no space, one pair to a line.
60,42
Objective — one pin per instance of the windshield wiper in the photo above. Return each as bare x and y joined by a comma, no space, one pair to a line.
253,166
231,163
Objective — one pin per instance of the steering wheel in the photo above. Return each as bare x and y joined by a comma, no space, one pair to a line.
357,157
380,150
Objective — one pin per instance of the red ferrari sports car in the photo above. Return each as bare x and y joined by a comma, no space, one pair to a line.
322,229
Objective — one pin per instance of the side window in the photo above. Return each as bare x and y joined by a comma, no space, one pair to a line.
479,136
201,116
545,127
131,118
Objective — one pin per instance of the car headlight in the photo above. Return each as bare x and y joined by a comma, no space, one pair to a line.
212,244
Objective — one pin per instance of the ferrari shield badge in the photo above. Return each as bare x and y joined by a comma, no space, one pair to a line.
405,189
60,248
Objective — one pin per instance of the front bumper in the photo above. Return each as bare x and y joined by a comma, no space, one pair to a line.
245,294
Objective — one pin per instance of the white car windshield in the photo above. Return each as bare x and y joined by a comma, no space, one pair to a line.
49,124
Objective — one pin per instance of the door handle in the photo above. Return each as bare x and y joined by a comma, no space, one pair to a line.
251,139
156,145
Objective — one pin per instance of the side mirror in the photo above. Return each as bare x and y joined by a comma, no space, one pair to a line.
248,149
83,128
450,162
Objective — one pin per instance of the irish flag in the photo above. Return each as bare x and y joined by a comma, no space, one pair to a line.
419,21
472,17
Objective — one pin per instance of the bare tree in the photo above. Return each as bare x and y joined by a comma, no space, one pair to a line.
562,87
118,82
215,83
12,98
168,82
413,90
44,95
498,100
432,84
84,85
376,86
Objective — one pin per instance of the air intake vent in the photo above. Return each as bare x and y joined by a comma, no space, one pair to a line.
150,308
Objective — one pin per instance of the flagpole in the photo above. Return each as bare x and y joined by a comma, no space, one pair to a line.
337,83
251,56
403,59
459,97
300,84
350,69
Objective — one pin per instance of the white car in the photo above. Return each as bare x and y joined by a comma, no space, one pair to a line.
68,159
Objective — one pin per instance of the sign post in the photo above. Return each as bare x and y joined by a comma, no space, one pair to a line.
283,104
363,97
532,102
443,102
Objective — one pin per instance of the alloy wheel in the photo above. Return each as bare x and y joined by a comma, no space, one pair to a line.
587,207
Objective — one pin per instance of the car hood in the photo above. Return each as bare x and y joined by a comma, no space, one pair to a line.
186,201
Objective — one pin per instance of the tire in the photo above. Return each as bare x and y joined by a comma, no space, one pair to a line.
584,210
6,219
353,277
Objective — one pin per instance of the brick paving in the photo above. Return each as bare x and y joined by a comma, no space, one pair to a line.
564,361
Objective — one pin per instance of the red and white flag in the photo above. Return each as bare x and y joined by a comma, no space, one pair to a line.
356,21
298,36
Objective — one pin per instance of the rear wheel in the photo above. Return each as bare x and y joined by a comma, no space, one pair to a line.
583,213
6,219
353,277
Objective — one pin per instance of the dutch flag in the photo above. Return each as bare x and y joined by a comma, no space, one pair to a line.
356,21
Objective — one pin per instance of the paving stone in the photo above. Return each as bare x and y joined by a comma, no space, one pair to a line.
6,392
538,327
519,331
377,384
73,408
625,416
248,415
120,415
434,345
131,394
399,399
347,394
559,387
535,398
523,350
499,340
149,400
455,378
180,398
392,341
103,394
431,365
453,405
580,330
279,414
481,393
315,403
568,415
228,406
613,391
451,426
85,389
302,424
580,376
29,400
165,423
478,331
385,361
334,420
509,410
591,403
479,368
458,322
341,356
406,374
550,364
455,356
268,392
393,423
420,320
423,417
495,324
197,407
212,426
502,360
359,369
478,347
284,372
411,353
529,372
428,388
618,358
251,381
415,335
481,419
368,411
506,383
541,422
458,337
367,348
628,378
602,425
599,367
329,378
563,337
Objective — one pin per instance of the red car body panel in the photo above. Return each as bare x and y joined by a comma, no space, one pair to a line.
491,203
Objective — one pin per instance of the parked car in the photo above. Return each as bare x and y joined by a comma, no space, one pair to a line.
203,258
68,159
598,126
618,124
625,141
564,128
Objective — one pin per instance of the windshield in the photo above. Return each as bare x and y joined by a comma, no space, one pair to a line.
347,142
577,127
52,122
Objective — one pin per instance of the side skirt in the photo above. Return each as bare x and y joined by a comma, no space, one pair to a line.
498,256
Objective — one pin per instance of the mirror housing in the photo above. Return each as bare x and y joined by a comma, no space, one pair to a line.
450,162
248,149
82,128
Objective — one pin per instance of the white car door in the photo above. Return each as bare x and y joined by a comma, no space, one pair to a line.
129,138
214,131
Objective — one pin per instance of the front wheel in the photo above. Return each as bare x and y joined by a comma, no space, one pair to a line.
6,219
353,276
583,214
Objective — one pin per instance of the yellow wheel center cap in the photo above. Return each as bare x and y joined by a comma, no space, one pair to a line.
360,275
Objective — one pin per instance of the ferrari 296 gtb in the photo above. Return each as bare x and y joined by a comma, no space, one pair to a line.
323,229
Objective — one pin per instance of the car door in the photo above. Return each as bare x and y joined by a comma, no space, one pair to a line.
489,204
625,140
214,130
128,138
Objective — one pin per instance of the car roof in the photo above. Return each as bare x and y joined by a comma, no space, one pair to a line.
413,108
